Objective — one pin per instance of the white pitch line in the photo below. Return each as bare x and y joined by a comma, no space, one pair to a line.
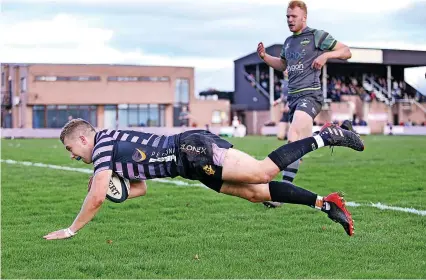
186,184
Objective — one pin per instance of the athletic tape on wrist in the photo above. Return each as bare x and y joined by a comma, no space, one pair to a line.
69,232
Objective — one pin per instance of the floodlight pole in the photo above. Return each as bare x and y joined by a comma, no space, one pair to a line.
389,82
271,92
324,81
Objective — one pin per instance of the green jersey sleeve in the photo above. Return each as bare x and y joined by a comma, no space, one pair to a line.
324,41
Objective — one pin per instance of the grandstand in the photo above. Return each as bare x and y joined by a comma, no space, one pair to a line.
370,87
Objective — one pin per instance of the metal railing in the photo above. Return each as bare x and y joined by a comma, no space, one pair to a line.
381,93
257,86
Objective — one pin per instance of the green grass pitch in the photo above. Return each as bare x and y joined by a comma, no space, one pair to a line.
192,232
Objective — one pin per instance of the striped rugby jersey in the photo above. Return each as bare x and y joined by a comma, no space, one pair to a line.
135,155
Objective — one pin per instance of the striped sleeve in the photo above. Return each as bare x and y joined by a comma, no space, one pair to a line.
324,41
103,154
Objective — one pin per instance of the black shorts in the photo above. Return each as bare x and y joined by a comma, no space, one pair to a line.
201,155
285,117
310,102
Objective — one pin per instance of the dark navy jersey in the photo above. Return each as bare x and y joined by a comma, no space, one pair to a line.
135,155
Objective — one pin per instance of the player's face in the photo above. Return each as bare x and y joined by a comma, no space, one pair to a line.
79,148
296,19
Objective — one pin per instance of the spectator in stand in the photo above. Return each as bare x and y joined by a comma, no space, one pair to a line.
263,81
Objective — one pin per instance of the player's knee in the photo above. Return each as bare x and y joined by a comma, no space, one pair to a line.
294,134
254,199
263,177
258,194
252,196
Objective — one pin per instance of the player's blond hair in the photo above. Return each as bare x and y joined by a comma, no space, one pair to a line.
302,5
75,125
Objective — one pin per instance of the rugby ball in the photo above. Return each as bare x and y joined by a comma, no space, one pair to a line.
118,189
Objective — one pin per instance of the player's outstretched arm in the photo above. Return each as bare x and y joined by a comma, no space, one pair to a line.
91,206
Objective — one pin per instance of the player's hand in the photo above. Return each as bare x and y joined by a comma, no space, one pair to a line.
59,234
286,108
319,62
261,50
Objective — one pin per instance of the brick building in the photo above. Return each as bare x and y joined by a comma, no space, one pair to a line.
109,96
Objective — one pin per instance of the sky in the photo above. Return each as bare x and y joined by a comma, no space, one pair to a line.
208,35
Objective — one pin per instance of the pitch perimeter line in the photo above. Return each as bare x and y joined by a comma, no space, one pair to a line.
186,184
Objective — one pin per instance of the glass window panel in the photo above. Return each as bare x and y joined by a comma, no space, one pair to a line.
84,114
162,114
38,117
153,116
133,117
73,113
184,93
110,116
177,90
62,118
143,115
110,107
122,118
52,118
93,118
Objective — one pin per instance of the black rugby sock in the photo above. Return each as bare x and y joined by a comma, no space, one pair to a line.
287,154
288,193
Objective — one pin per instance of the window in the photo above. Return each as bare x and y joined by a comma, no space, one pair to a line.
110,116
23,84
39,116
131,115
181,99
3,79
56,116
137,79
182,91
216,117
67,78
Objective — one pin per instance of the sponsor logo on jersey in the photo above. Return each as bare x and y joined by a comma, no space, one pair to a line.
193,150
163,159
138,155
295,68
209,170
305,41
163,153
289,55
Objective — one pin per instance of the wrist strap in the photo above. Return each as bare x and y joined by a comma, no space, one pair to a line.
70,232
